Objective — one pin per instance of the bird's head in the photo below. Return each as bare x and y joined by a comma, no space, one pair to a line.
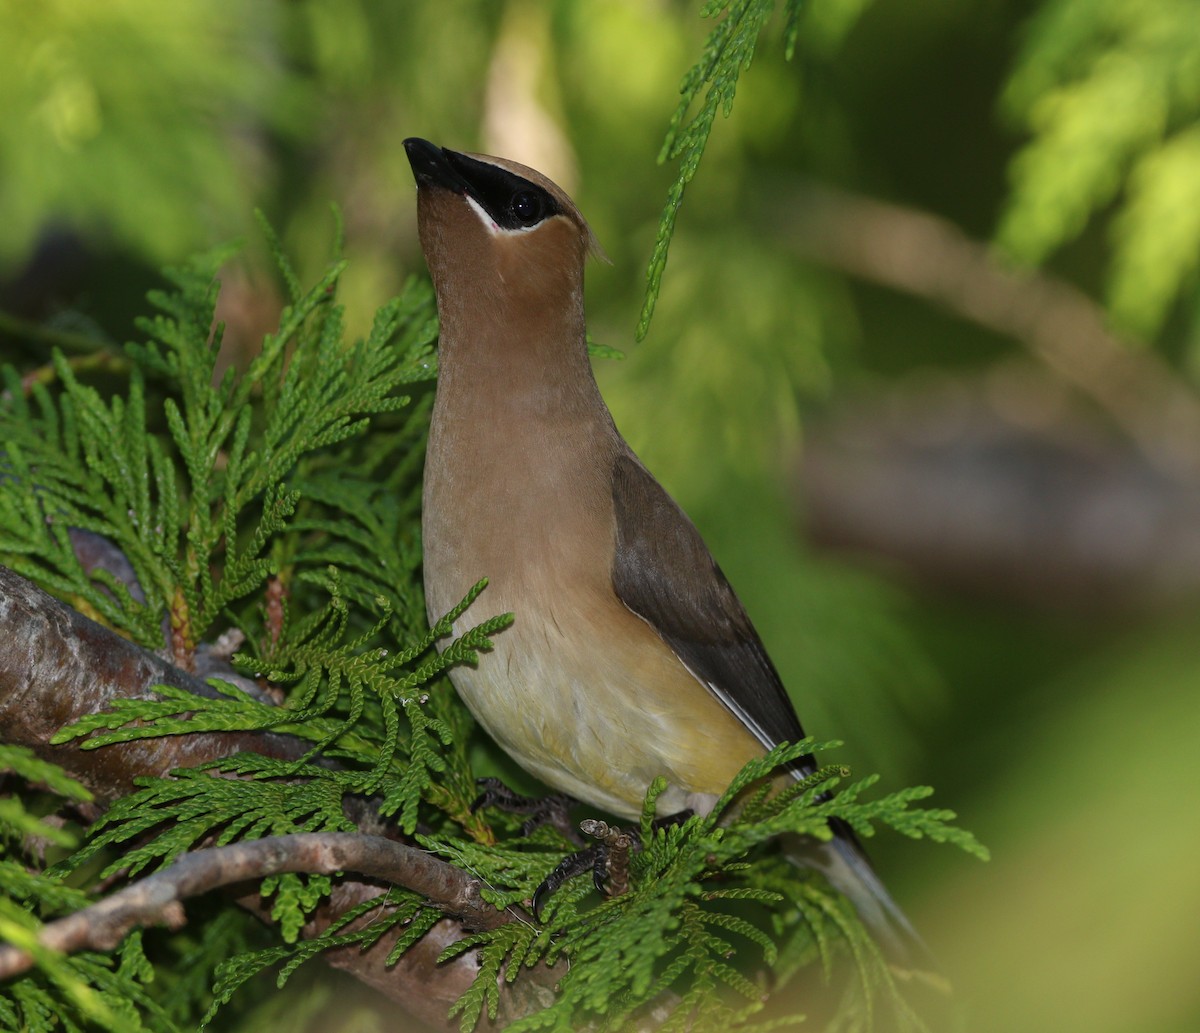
496,230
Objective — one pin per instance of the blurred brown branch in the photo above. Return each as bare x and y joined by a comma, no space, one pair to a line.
927,256
968,490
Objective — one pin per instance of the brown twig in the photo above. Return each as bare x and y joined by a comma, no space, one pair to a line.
156,899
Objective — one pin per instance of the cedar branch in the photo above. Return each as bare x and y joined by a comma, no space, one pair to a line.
56,666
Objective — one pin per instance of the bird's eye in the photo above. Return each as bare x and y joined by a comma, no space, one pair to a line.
526,207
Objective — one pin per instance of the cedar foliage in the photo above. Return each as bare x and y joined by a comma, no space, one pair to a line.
217,490
298,479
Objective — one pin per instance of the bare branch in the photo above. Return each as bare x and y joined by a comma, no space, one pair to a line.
156,899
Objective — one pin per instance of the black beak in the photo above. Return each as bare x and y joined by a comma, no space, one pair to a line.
433,165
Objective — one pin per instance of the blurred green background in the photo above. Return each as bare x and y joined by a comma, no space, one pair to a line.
923,369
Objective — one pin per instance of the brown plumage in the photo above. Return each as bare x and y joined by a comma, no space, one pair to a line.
630,656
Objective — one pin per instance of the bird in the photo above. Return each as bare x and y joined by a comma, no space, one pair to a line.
630,656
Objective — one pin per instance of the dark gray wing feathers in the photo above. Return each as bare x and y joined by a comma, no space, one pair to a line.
663,572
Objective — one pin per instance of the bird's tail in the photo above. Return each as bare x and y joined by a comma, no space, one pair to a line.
844,863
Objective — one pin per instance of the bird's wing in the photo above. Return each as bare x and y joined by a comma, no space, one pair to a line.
664,573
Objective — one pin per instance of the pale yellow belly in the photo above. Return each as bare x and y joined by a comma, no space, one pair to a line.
589,699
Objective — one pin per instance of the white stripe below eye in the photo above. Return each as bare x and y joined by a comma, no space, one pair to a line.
490,223
479,210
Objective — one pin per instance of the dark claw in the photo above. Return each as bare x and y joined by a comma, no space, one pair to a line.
553,810
494,793
608,859
569,867
599,867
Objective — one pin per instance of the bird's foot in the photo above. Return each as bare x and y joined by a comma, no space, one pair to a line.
553,810
607,859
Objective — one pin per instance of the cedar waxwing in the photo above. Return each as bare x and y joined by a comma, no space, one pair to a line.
629,656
